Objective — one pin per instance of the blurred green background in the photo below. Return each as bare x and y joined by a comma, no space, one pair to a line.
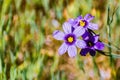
29,52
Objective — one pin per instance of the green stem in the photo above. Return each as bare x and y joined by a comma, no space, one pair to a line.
109,43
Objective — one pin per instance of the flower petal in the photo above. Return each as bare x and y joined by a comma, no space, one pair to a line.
84,51
78,18
67,27
76,25
63,48
59,35
79,31
86,35
72,22
72,51
92,52
96,38
99,46
88,17
93,26
80,43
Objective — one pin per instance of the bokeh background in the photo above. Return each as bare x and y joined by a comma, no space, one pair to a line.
28,50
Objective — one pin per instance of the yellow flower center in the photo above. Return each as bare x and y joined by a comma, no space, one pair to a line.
70,39
82,23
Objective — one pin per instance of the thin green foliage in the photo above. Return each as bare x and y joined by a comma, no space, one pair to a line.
28,50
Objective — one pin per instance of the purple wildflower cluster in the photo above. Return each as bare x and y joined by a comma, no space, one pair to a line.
73,30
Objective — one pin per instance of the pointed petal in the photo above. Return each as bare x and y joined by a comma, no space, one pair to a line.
80,43
79,18
72,51
92,52
99,46
84,51
79,31
86,35
89,17
93,26
72,22
59,35
96,38
67,27
63,48
76,25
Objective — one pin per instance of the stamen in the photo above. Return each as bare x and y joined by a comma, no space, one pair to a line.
82,23
70,39
90,44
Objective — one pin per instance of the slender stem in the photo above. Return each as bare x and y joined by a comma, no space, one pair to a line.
109,21
112,46
109,43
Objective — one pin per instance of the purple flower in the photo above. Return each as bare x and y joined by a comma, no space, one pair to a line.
70,39
85,22
92,44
